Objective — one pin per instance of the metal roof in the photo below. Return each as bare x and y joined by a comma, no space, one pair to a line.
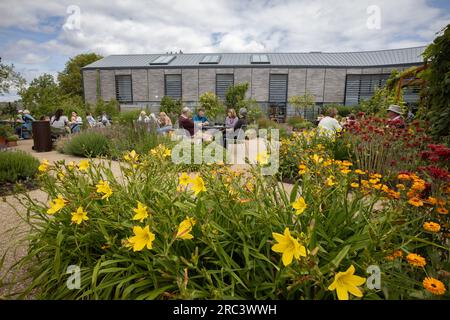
405,56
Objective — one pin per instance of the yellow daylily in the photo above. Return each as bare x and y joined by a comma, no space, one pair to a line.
56,204
330,182
317,159
44,165
198,185
345,282
288,246
79,216
71,165
83,165
131,156
262,158
299,205
184,179
142,238
185,228
103,187
141,212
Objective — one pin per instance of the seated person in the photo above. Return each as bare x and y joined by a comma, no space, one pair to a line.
143,118
105,119
91,120
200,118
242,122
328,125
75,123
185,122
165,124
24,130
58,123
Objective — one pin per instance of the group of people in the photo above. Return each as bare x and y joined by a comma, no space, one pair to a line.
163,123
61,124
329,125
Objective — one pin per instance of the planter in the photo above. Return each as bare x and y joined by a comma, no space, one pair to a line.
2,141
12,143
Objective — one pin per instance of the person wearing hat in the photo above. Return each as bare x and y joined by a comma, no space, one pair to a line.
242,122
395,116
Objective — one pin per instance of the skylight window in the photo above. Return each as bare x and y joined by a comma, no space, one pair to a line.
210,59
163,60
260,59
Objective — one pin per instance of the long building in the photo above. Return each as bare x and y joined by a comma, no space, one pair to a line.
347,78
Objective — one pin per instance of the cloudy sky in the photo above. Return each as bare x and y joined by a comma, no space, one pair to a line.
40,36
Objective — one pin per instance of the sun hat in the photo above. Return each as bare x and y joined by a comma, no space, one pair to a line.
395,108
20,111
243,111
26,111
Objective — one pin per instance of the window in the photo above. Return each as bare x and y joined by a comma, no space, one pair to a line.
210,59
123,88
162,60
223,81
360,87
172,86
278,96
260,59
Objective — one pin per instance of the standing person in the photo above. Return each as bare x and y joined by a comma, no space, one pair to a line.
91,120
59,122
395,116
185,122
165,124
328,125
75,122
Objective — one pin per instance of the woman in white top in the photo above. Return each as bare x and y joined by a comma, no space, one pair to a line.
91,120
329,126
75,122
143,117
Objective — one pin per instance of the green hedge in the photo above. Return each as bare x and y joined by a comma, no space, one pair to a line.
17,165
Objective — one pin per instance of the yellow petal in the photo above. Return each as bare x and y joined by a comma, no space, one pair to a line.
287,257
342,293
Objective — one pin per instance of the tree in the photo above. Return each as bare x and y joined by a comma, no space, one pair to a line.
42,96
235,94
211,104
70,79
9,78
436,97
302,102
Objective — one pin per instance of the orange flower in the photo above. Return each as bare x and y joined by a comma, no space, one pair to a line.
415,202
403,176
416,260
442,210
432,200
432,226
400,186
434,286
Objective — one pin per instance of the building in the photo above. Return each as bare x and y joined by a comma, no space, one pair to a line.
140,81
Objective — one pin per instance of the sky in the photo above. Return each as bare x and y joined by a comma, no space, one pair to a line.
40,36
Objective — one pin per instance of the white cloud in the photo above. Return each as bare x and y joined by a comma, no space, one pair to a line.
114,27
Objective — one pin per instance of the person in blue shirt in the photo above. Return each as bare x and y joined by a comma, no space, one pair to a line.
201,118
24,131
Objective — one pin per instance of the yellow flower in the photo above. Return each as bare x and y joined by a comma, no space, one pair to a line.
103,187
184,179
185,229
299,205
330,182
432,200
141,212
374,180
131,156
345,282
346,171
71,165
167,153
432,226
302,169
79,216
416,260
61,175
262,158
142,238
56,205
442,210
415,202
198,185
317,159
83,165
288,246
358,171
354,185
44,165
375,176
346,163
434,286
400,186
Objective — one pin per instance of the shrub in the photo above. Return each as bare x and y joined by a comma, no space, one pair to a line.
110,107
171,107
213,107
6,131
235,95
128,118
87,144
16,166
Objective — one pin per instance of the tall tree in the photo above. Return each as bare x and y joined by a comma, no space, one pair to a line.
9,78
70,79
42,95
